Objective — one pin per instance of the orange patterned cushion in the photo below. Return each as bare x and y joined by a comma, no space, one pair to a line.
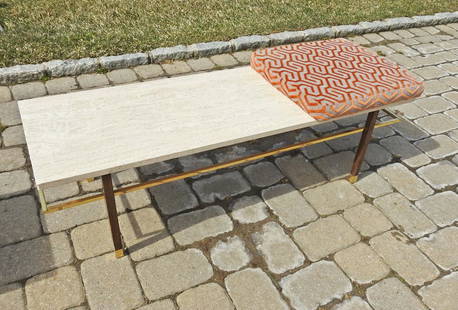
335,77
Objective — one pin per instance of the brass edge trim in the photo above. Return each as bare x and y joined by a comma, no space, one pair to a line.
119,253
192,173
42,198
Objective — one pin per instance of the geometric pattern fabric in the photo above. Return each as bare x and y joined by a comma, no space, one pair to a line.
337,77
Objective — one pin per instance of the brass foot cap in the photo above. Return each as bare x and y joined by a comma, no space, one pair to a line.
119,253
352,178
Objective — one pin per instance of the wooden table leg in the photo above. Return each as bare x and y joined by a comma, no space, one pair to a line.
112,215
362,147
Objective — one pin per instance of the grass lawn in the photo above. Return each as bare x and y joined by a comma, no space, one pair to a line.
41,30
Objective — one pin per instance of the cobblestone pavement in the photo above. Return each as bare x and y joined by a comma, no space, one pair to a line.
287,232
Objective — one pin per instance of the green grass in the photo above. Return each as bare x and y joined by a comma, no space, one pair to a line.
41,30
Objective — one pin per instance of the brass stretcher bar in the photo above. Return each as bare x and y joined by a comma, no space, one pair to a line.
148,184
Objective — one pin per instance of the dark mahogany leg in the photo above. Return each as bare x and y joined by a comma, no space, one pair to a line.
362,147
112,215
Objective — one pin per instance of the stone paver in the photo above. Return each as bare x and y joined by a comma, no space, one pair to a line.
355,303
192,162
404,49
407,152
441,294
299,171
197,225
377,155
92,239
453,114
5,94
220,186
122,76
103,276
224,60
323,128
12,297
252,288
334,196
174,197
453,95
144,234
366,219
243,57
403,60
315,285
92,80
347,142
441,207
428,48
289,205
439,247
374,37
13,135
200,64
277,249
429,73
92,211
9,114
61,85
437,123
435,87
12,158
325,236
28,90
142,230
373,185
234,152
28,258
58,289
451,81
384,50
451,68
439,175
431,59
404,258
410,131
405,216
438,147
411,110
361,263
263,174
434,104
177,67
173,273
390,36
336,165
14,183
207,296
19,220
149,71
391,294
315,150
157,168
231,255
405,181
404,34
62,191
249,209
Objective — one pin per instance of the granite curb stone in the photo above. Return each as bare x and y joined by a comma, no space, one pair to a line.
123,61
57,68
